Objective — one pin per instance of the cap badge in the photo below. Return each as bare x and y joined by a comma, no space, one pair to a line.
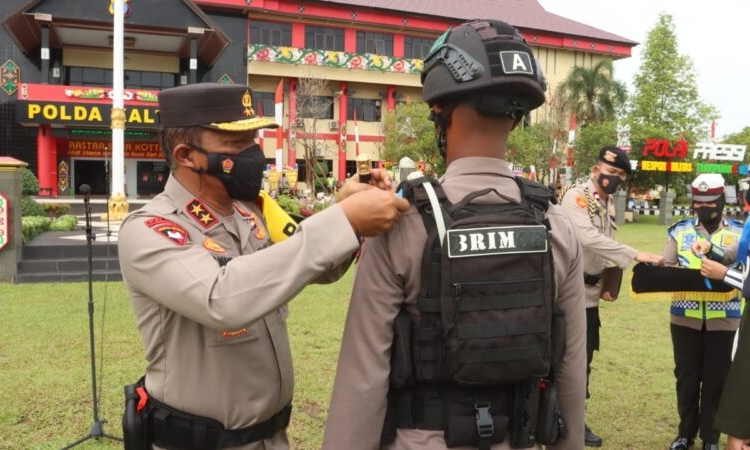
247,102
610,156
227,165
703,187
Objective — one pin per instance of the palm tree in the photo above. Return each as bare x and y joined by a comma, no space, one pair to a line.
592,93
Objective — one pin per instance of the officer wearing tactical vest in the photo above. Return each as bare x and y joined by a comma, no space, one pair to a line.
591,209
702,331
429,364
208,289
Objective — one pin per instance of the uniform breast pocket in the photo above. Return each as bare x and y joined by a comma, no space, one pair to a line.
230,337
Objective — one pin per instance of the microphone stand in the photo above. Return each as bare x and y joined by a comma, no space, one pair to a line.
97,429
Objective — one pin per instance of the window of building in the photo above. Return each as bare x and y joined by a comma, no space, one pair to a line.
133,79
322,38
315,107
416,48
264,103
368,110
376,43
270,33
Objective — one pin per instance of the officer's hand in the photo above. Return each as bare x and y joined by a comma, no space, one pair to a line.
379,178
606,296
712,269
650,258
700,247
373,211
735,443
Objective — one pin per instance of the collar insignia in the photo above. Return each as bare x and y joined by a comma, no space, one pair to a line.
213,246
168,229
201,214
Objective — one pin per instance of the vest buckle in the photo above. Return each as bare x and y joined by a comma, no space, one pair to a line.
485,427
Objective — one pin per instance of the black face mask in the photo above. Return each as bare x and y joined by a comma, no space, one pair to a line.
609,183
710,216
241,174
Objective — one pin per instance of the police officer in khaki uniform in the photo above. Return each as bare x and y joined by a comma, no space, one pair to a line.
209,289
591,209
473,117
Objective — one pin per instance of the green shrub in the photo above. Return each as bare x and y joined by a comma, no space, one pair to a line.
29,183
56,209
289,204
64,223
30,207
33,226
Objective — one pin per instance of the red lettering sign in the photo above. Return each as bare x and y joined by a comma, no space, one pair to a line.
660,148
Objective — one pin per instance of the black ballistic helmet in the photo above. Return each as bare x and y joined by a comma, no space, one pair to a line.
486,57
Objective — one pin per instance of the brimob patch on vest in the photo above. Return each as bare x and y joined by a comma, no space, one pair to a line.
581,201
470,242
200,213
169,230
213,246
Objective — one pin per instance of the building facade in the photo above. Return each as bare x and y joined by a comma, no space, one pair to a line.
336,67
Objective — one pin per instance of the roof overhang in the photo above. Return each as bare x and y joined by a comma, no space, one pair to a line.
66,32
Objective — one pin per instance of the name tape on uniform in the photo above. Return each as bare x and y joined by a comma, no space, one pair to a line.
470,242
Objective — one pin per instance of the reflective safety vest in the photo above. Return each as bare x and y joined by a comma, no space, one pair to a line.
685,234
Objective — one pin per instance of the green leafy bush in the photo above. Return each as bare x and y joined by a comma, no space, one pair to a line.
289,204
29,183
30,207
64,223
33,226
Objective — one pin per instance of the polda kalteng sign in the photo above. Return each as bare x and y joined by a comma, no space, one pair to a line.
78,114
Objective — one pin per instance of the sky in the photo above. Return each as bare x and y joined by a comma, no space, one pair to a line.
713,34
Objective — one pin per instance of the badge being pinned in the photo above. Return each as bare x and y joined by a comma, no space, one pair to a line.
169,230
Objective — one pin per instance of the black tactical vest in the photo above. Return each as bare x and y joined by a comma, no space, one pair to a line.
472,363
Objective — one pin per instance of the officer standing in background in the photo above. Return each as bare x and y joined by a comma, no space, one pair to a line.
474,109
591,209
208,288
702,331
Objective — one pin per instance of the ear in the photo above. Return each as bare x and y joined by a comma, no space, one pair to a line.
185,156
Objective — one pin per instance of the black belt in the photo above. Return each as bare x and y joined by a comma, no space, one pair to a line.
591,279
177,430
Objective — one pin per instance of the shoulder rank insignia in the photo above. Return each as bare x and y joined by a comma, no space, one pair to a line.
201,213
213,246
581,201
169,230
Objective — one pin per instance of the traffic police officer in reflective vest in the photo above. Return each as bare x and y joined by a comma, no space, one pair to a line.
480,79
702,331
208,288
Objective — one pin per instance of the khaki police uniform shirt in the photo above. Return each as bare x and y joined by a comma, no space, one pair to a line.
670,259
388,277
597,236
215,337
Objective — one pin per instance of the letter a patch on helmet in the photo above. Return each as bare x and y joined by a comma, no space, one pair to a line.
169,230
516,62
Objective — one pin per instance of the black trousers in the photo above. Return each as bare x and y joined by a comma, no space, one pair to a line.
592,340
702,359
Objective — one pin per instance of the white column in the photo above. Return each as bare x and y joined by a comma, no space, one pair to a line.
118,111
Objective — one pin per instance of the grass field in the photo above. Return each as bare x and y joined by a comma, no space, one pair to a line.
46,390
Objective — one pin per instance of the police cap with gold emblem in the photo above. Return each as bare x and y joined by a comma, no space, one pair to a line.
615,157
226,107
